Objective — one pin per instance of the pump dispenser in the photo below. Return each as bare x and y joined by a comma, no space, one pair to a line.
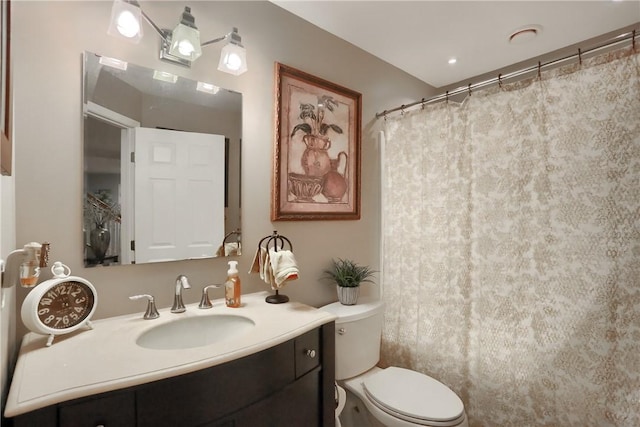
232,286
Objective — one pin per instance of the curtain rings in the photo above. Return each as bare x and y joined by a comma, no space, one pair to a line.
539,70
446,97
633,40
422,105
500,80
580,56
469,89
402,110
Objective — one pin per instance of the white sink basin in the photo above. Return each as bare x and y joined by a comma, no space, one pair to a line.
190,332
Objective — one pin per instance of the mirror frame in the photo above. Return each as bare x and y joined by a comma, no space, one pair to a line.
231,243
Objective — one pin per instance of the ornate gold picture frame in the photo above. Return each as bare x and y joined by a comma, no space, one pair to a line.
316,170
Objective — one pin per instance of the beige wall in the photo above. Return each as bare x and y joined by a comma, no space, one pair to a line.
48,40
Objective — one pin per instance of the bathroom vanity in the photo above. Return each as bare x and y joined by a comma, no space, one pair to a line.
278,373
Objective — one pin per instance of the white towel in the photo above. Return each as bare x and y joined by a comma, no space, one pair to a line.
283,267
261,265
267,271
256,266
231,249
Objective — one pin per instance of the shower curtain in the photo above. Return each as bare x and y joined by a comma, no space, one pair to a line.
511,246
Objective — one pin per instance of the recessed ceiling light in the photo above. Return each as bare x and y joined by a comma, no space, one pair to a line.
452,61
524,34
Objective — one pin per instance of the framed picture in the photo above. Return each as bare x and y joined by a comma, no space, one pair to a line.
5,88
316,171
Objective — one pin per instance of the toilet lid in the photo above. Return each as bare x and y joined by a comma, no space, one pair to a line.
414,395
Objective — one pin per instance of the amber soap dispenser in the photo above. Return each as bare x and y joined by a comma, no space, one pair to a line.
232,288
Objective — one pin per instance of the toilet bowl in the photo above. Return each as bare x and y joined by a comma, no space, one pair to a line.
391,397
397,397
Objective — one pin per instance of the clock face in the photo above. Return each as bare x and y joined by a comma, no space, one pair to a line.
65,305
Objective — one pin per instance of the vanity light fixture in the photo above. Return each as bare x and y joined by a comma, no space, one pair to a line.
126,21
182,44
233,58
185,38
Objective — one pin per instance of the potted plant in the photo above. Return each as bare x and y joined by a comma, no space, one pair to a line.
347,275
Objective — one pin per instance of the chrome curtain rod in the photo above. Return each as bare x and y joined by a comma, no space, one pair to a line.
625,37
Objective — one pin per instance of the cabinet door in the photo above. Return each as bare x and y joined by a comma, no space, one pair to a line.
295,405
307,348
45,417
198,398
111,410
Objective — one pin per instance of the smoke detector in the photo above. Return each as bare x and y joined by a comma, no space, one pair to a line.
524,34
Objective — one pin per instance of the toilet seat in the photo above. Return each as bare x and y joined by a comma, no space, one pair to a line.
414,397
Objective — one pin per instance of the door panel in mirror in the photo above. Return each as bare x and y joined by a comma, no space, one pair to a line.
203,218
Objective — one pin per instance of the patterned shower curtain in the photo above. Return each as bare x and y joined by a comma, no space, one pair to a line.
511,254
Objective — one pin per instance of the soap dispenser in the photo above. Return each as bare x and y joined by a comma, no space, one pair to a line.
232,286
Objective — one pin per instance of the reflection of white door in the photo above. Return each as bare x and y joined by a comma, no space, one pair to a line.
179,194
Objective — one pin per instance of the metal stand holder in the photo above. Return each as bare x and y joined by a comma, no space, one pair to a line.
278,242
276,298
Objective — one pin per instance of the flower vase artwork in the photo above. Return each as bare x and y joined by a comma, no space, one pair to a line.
321,172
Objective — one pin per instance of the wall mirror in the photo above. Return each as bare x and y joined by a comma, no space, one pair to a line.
161,166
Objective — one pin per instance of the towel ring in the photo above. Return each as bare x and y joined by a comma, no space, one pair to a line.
237,233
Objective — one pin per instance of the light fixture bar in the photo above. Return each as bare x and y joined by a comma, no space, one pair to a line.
162,34
219,39
183,51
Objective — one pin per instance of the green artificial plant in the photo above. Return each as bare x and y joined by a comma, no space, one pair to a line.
348,274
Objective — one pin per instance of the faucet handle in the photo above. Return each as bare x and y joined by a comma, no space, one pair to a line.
205,302
152,312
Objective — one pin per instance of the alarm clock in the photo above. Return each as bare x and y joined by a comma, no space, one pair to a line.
60,305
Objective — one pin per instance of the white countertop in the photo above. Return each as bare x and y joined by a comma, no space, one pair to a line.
105,358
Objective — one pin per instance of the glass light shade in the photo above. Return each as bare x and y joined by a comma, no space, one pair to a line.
164,76
126,21
233,59
114,63
185,43
207,88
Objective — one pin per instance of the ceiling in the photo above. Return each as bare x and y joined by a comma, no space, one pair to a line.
420,37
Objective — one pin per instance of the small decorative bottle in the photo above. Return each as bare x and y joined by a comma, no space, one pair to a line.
232,288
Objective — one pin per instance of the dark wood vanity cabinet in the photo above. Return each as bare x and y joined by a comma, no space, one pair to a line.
290,384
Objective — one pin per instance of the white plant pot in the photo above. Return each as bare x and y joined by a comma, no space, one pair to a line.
348,296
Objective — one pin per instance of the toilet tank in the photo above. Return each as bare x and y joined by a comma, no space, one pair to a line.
358,332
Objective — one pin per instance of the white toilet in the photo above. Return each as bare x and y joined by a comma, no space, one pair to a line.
392,397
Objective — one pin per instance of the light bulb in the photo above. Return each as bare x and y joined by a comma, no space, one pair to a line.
233,61
127,24
185,47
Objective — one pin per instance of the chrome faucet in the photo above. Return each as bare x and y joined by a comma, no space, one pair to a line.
205,302
181,283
